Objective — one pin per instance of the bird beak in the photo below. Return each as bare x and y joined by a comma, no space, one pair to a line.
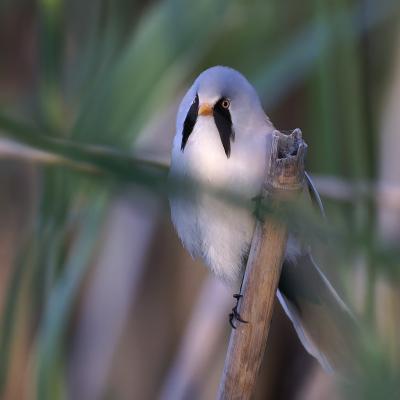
205,109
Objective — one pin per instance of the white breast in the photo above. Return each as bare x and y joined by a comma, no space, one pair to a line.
210,228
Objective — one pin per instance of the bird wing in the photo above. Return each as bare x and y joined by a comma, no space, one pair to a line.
323,322
315,198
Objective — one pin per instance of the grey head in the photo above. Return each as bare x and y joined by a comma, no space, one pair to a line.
225,95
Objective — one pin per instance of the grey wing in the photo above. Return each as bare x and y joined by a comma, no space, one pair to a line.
316,199
323,322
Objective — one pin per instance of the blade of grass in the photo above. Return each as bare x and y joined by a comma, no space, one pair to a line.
9,314
61,300
102,158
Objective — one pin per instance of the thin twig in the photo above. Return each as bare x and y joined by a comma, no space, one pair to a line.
10,149
385,194
247,343
101,159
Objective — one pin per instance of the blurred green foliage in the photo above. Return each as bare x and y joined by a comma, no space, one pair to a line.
106,69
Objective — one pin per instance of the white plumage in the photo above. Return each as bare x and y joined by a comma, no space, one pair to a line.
220,232
209,228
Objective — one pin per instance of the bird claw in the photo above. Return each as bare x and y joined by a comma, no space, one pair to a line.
234,315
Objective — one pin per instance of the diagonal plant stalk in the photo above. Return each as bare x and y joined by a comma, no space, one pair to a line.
284,180
98,159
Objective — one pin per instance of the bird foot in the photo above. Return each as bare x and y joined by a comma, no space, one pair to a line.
234,315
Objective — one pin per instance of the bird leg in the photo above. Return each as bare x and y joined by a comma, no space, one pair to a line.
234,315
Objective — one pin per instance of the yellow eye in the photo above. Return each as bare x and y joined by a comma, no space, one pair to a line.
225,103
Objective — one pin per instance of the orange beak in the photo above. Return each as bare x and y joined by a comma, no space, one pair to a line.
205,109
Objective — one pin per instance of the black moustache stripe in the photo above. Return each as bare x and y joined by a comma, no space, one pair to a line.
190,121
223,121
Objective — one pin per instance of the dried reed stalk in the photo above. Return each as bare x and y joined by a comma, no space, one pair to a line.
247,343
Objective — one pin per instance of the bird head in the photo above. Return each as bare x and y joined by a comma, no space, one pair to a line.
225,96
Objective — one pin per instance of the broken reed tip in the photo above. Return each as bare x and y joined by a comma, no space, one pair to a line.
287,162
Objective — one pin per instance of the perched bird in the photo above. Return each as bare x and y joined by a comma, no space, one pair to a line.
222,138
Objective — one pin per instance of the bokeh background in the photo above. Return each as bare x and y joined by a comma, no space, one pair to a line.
98,299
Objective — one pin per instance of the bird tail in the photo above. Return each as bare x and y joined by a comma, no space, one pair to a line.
324,324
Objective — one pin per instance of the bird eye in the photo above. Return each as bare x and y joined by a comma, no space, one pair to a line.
225,103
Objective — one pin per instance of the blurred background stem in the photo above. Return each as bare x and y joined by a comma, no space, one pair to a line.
89,92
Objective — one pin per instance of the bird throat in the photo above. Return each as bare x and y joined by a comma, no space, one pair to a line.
223,121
